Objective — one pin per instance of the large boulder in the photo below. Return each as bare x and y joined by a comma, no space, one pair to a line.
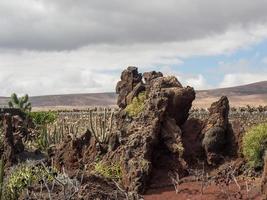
215,131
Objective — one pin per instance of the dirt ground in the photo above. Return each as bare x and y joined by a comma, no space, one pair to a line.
192,191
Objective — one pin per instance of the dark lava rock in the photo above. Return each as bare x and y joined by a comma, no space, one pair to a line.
215,131
166,107
129,79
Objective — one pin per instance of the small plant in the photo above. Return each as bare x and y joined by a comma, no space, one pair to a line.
20,102
254,145
137,105
42,118
46,134
22,177
111,171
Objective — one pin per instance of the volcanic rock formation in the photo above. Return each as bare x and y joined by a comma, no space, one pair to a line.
159,130
166,108
215,131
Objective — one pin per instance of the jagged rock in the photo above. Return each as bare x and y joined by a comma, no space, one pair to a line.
218,113
215,131
171,135
192,140
148,76
72,152
166,107
129,79
180,104
136,90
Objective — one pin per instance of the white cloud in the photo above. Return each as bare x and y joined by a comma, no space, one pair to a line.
39,72
51,47
198,82
230,80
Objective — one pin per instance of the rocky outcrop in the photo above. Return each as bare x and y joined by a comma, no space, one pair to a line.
216,130
148,76
130,78
71,153
166,108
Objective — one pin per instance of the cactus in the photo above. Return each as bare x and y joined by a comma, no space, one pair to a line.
101,126
20,102
1,177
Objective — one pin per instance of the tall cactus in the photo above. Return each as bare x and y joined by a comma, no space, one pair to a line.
1,177
101,126
20,102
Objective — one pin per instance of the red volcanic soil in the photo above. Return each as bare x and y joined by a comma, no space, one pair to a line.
216,187
192,191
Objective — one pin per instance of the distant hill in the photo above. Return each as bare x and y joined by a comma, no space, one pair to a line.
253,94
243,90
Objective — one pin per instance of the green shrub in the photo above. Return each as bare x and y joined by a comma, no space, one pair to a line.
137,105
22,177
41,118
254,145
111,171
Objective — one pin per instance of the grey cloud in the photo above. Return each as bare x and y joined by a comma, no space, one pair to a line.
68,24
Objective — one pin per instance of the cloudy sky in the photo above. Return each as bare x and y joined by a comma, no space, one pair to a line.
80,46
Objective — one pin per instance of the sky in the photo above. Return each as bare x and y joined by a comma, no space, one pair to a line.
81,46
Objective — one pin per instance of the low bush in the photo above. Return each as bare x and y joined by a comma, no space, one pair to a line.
111,171
254,145
41,118
137,105
22,177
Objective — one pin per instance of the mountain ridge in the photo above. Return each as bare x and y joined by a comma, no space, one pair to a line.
238,95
